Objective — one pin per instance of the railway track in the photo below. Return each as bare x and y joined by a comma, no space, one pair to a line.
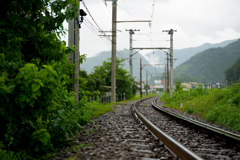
203,139
125,134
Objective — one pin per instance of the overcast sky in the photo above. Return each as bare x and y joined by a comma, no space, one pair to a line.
196,22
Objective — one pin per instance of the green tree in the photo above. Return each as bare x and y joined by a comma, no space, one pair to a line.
233,73
124,82
37,112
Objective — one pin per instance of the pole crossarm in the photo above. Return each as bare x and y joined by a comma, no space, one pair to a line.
159,48
132,21
143,65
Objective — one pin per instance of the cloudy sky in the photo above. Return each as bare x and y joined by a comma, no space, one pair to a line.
196,22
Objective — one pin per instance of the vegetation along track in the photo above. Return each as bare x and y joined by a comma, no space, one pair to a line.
121,134
118,135
203,139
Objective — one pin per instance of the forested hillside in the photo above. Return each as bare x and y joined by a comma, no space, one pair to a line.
233,73
183,55
210,64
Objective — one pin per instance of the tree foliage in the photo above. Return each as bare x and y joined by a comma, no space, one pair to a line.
38,112
233,73
210,64
101,77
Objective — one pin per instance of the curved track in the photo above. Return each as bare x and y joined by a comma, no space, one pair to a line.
126,134
198,137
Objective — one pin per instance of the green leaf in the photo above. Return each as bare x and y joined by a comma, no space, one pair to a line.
35,87
31,102
23,97
38,93
45,138
34,95
4,87
62,113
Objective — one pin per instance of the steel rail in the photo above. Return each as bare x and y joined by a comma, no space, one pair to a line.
180,150
201,124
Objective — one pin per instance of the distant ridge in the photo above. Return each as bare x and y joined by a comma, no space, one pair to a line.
210,64
182,55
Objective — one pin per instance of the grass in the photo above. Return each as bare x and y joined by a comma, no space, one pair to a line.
221,106
95,108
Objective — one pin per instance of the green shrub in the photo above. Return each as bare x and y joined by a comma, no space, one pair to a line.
222,106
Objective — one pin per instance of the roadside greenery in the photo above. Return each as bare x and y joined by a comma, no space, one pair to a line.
38,111
220,106
96,83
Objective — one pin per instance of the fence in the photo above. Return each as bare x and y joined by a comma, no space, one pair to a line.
107,98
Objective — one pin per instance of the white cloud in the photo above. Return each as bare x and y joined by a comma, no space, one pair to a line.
196,22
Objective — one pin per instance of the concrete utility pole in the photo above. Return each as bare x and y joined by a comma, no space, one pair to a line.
165,82
73,39
114,43
130,51
167,74
146,83
171,59
151,84
141,77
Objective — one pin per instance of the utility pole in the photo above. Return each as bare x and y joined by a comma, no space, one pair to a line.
130,50
73,39
171,59
165,82
151,84
167,74
146,83
114,43
141,77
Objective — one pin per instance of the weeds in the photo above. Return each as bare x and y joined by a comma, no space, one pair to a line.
221,107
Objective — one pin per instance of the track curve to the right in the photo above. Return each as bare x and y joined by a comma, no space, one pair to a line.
198,140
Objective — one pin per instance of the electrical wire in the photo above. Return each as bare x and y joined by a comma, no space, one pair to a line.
152,16
90,14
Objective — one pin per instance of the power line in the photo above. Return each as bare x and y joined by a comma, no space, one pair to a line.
90,14
152,16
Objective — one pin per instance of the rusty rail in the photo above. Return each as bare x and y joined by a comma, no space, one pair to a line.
200,124
180,150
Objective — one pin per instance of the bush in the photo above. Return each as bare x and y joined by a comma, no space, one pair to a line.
43,113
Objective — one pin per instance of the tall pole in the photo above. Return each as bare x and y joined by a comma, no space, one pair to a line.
171,62
165,87
171,59
130,53
130,50
151,84
73,39
146,83
167,75
141,77
114,41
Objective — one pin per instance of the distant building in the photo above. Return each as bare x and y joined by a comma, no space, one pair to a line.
188,85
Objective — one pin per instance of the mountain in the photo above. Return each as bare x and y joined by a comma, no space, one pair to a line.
210,65
183,55
153,57
97,60
233,73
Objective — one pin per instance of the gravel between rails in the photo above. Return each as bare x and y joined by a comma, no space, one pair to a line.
116,135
